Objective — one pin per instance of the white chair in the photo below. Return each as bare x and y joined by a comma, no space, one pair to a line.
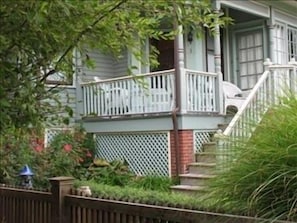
233,95
116,98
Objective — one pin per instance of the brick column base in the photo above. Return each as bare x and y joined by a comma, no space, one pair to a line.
185,153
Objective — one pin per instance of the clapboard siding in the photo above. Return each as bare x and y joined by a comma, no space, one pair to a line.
106,66
121,65
66,96
103,65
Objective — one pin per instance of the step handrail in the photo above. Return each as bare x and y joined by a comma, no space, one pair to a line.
274,96
246,103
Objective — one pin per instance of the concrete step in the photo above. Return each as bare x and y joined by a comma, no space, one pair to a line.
195,179
189,190
209,147
202,168
223,126
205,157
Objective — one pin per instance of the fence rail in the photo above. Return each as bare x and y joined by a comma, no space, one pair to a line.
108,211
17,205
60,205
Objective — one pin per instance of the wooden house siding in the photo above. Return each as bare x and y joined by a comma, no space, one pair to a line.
67,97
105,66
121,65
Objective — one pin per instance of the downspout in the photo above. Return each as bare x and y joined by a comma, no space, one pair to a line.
178,50
176,138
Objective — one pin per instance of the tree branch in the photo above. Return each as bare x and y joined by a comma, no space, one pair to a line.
83,32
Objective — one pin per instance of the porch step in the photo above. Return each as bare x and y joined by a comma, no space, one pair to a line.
202,168
209,147
222,126
191,179
205,157
189,190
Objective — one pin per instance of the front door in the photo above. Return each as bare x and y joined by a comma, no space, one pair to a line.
166,54
249,58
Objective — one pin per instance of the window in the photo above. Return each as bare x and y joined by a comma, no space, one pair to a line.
292,42
285,41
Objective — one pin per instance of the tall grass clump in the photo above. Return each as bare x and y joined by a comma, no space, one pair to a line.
262,181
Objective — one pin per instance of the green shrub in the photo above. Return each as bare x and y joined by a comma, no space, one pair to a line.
152,182
114,173
132,194
15,152
263,180
66,155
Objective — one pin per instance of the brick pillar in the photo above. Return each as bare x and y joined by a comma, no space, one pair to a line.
60,187
186,151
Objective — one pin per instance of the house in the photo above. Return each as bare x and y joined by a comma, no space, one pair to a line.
158,119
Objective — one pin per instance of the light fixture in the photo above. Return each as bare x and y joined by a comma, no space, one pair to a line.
26,177
190,35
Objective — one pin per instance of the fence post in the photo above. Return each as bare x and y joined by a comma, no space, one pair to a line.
60,186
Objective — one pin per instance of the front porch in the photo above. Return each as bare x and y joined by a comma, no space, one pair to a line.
136,118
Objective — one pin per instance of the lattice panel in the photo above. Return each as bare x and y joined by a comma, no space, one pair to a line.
50,134
146,153
201,137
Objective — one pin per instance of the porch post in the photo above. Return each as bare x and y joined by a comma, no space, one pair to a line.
78,88
217,42
180,81
218,60
271,24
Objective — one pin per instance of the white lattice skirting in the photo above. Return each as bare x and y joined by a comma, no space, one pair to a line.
200,137
51,133
146,153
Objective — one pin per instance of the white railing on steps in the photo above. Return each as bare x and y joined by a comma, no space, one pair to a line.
274,84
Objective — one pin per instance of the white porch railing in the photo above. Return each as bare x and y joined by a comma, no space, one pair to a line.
148,93
275,83
202,91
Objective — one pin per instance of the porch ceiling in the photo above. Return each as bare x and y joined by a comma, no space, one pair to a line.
284,5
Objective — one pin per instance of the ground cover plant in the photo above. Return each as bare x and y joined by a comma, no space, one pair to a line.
263,180
152,196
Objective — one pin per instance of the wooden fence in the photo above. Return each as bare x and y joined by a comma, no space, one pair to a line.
60,206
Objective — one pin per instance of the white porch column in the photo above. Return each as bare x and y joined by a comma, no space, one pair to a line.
217,41
79,110
218,60
181,97
271,25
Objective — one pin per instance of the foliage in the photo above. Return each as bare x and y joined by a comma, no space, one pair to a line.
68,152
114,173
38,39
14,154
263,180
139,195
152,182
